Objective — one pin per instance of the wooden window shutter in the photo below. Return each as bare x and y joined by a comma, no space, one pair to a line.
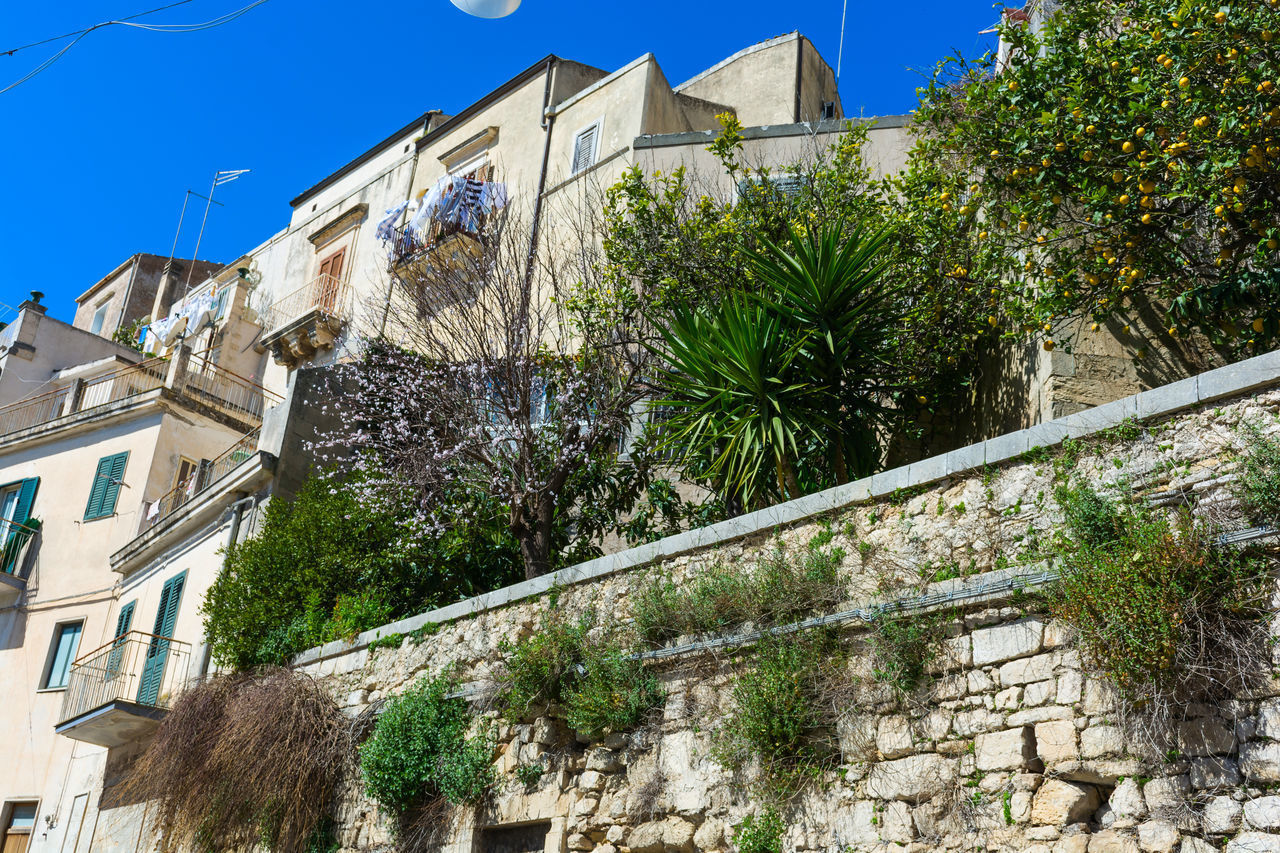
106,486
125,620
584,148
167,612
332,265
26,498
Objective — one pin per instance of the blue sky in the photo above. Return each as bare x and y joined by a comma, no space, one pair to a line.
99,149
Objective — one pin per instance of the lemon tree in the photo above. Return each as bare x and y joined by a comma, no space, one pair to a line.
1125,153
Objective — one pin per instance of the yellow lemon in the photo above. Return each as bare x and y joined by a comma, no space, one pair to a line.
1259,325
1048,345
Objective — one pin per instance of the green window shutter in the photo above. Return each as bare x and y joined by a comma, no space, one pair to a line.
157,654
17,536
26,498
106,486
125,620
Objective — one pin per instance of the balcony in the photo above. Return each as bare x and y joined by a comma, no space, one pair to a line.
306,321
20,542
206,475
118,692
408,246
191,379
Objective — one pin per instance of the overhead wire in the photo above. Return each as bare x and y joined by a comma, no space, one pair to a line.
126,22
11,51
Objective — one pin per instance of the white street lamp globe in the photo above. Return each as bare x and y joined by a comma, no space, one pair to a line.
487,8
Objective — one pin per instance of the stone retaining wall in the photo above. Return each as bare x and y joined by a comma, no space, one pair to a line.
1012,744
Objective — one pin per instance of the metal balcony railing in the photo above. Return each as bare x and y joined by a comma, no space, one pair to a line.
135,667
324,294
16,540
78,397
219,388
205,476
407,244
201,381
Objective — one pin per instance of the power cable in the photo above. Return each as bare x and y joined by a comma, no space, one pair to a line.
126,22
14,50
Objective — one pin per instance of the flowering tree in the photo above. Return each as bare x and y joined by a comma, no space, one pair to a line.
508,371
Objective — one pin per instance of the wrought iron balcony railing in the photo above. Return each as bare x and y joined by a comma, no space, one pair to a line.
326,295
135,668
205,476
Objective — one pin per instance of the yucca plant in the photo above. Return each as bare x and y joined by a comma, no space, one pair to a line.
760,381
829,289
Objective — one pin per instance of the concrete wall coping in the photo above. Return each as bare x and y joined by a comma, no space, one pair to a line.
770,131
1230,381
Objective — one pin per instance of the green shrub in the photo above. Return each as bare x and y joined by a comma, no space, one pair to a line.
783,707
419,750
902,648
599,687
1161,610
760,833
778,590
1092,519
1258,488
332,563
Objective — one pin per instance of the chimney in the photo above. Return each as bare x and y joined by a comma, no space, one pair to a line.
168,289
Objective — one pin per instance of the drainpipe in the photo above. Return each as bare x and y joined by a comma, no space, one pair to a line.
548,120
413,170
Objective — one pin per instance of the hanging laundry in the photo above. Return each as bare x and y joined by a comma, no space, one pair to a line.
387,225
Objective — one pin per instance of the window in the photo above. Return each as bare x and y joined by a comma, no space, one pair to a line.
221,302
828,110
584,148
107,481
19,821
186,468
15,509
66,641
332,265
100,317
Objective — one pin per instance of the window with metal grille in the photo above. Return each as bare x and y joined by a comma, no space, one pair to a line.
584,147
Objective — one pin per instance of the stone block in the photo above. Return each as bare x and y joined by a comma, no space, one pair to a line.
1077,843
578,841
1196,845
1104,772
1031,716
591,780
1268,719
1127,802
893,737
1260,762
1221,816
710,836
977,721
1006,447
1013,749
1099,697
914,778
1254,842
1207,773
1158,836
979,682
1070,685
1039,692
1059,803
896,824
1263,813
1056,741
1206,736
1009,698
1112,841
1100,741
1027,670
1006,642
1167,795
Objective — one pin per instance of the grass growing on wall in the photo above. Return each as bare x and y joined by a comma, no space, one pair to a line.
780,588
1258,486
1165,614
599,687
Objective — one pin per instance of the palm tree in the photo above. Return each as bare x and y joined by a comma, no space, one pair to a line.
759,381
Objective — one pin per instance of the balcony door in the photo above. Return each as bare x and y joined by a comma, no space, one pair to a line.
158,648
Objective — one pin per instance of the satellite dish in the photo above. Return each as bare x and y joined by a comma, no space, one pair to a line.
487,8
